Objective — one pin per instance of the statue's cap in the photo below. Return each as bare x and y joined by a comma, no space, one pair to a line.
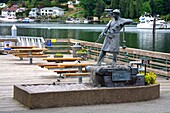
116,11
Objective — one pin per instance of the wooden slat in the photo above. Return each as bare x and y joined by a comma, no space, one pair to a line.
61,59
160,72
58,51
58,46
68,71
33,56
53,67
160,64
22,47
6,39
43,65
76,74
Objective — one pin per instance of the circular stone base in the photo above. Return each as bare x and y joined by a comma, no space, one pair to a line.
88,96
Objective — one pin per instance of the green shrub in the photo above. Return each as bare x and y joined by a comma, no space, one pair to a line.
59,54
150,78
82,51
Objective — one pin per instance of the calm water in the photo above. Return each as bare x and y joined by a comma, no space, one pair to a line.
135,38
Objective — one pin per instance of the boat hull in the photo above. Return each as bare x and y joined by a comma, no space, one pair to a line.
150,26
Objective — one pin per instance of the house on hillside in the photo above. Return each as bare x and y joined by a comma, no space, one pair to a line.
51,11
10,11
33,12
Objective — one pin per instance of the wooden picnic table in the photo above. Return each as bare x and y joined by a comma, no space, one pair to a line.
30,52
71,64
59,60
22,47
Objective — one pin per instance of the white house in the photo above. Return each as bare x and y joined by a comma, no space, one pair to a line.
2,5
52,11
33,12
10,11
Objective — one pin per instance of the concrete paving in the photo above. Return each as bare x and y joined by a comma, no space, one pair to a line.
13,71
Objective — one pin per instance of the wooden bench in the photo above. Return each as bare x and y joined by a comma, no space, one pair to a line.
60,60
70,65
68,71
51,67
21,53
25,54
76,74
64,71
44,65
22,47
21,56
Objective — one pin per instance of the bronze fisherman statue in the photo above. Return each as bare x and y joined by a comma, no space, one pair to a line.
111,33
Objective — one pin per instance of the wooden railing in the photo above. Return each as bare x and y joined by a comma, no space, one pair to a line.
159,62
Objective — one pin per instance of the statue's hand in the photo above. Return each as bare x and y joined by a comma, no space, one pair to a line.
100,36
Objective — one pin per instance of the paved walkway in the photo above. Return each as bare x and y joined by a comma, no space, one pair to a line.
13,71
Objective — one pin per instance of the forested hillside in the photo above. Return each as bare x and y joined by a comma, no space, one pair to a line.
128,8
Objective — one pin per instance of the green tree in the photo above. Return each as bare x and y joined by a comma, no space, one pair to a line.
138,8
47,3
131,9
54,2
99,8
153,8
115,4
146,8
159,7
33,3
88,6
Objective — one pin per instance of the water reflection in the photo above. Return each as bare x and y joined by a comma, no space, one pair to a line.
135,38
160,43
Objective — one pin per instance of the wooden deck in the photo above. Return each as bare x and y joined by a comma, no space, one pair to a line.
13,72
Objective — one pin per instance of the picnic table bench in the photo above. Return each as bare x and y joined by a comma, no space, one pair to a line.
59,60
30,53
70,65
19,47
22,47
76,74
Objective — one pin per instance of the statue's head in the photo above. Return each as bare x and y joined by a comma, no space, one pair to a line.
116,13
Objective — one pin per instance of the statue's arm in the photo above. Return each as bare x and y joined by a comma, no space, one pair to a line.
126,21
105,30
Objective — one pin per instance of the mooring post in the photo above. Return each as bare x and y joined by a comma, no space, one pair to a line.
153,33
14,31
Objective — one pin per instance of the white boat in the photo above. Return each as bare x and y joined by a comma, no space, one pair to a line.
146,22
8,19
86,21
27,20
70,20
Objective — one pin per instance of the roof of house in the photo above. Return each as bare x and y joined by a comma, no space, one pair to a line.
12,8
51,8
9,9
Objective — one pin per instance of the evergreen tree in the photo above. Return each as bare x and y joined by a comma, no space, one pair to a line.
33,3
152,5
131,9
115,4
99,8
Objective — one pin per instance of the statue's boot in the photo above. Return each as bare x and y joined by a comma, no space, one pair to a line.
101,57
